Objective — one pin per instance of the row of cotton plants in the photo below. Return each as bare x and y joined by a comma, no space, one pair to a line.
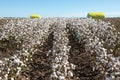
19,37
26,33
101,39
62,69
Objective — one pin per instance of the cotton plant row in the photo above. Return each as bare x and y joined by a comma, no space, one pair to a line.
31,32
62,69
101,39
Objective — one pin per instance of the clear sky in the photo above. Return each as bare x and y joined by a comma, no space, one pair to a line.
58,8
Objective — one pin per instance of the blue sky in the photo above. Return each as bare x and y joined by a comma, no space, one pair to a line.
58,8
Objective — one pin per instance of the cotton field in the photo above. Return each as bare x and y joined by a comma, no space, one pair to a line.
59,49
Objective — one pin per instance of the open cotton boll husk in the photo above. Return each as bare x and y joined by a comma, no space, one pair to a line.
35,16
96,15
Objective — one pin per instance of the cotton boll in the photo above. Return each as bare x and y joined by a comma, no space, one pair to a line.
61,78
0,78
17,60
6,77
72,66
12,78
70,73
54,75
57,60
54,65
8,70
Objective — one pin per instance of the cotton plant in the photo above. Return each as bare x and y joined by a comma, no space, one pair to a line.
96,34
27,33
62,69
